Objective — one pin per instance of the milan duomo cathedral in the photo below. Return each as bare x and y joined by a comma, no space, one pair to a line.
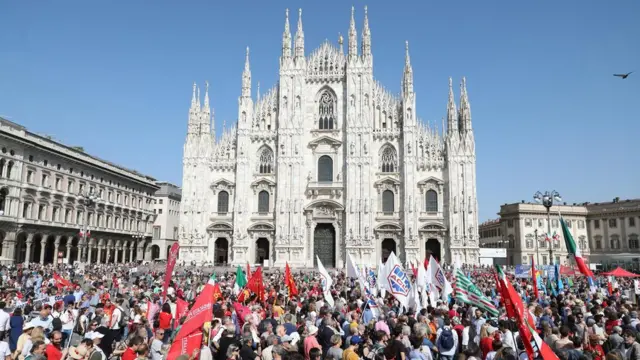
328,162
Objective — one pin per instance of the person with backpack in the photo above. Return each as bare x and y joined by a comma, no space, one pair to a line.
447,341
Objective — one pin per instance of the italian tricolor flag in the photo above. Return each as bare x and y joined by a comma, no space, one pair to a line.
573,250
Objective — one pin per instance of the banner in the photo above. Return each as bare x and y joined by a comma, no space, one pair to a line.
200,313
172,256
182,308
187,345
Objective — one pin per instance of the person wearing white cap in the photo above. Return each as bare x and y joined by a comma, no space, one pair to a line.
311,342
24,338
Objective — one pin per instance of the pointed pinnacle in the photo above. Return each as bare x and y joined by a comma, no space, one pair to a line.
407,59
299,19
352,24
246,60
286,22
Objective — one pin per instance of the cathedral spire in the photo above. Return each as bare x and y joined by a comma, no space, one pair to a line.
286,37
258,91
198,100
246,77
299,37
206,96
193,97
353,36
465,109
407,80
205,121
366,36
452,126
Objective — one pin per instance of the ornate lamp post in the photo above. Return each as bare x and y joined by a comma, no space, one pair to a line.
89,200
547,200
138,236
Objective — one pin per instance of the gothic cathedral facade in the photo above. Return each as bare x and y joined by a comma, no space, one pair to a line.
328,163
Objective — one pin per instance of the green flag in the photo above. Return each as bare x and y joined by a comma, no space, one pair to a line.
212,279
468,293
241,279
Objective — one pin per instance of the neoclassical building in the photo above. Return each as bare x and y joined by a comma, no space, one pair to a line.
50,192
328,162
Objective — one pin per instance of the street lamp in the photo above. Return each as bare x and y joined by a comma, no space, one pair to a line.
546,200
89,200
138,236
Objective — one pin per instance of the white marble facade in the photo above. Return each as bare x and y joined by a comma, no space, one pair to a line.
328,162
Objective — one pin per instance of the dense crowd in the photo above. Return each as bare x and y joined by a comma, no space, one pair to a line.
121,312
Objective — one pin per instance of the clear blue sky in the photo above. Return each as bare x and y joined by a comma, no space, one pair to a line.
115,77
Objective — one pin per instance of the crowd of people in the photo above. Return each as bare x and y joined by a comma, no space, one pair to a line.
100,312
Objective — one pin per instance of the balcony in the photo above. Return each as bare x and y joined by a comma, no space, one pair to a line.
262,215
221,215
333,188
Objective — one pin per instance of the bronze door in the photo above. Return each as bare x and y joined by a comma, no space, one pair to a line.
324,245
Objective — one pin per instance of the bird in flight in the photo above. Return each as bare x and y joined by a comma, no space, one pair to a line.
623,76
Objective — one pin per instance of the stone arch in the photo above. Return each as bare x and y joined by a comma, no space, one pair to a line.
388,158
20,255
324,202
221,251
155,252
327,107
265,160
262,250
433,248
4,193
388,246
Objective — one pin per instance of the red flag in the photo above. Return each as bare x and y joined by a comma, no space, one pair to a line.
534,276
186,345
182,308
288,280
61,282
217,293
248,270
255,284
171,263
200,313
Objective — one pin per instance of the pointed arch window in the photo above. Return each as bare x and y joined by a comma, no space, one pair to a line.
9,168
389,159
326,111
265,165
325,169
2,164
223,202
263,201
431,201
388,199
3,200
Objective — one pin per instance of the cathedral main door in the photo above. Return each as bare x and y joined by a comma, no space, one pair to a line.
432,247
324,245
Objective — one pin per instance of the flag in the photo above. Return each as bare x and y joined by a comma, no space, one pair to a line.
573,250
241,279
212,279
559,283
326,281
182,308
439,279
248,270
186,345
534,277
200,313
468,293
171,263
217,293
256,285
289,282
353,271
397,280
61,282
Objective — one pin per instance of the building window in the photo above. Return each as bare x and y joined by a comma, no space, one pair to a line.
614,241
582,242
388,199
42,209
326,111
56,214
389,159
580,224
529,241
79,217
45,180
265,165
58,183
25,211
263,201
223,202
540,223
175,233
325,169
598,242
432,201
544,259
596,224
633,242
118,198
528,222
510,223
569,223
3,200
160,201
2,164
554,223
70,186
30,177
632,222
160,211
613,223
156,232
512,242
110,196
9,168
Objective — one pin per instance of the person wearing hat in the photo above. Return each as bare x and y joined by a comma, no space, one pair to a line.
311,342
24,338
288,344
351,352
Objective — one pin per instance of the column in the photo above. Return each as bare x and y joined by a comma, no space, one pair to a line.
107,258
99,259
56,245
43,245
140,252
69,245
130,257
9,246
28,253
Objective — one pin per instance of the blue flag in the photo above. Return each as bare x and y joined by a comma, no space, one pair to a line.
558,279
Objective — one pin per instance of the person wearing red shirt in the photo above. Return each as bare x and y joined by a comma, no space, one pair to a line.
54,349
131,352
164,321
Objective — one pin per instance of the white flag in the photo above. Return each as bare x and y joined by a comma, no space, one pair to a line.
439,279
397,281
382,285
326,282
352,269
421,280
